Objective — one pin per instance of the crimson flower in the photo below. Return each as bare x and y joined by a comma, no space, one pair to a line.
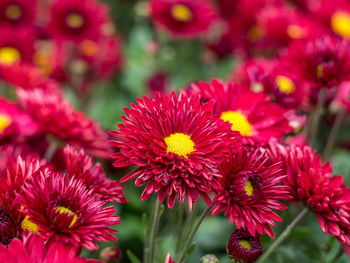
76,20
80,165
60,209
176,143
183,18
17,12
33,249
56,116
251,191
243,247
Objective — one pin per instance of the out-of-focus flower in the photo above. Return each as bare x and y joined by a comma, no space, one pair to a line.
111,254
250,113
251,190
322,62
210,259
76,20
65,210
17,12
15,124
168,259
183,18
80,165
176,143
56,116
243,247
17,47
157,82
342,97
28,77
33,249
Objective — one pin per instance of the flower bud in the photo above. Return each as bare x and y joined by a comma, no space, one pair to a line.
243,247
111,254
210,259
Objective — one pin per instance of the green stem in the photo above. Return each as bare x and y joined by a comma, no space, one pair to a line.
179,226
284,235
316,116
333,135
51,149
193,232
152,233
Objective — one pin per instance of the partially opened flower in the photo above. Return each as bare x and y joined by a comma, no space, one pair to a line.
322,62
324,194
76,20
251,190
57,116
250,113
244,247
176,143
17,47
65,210
183,18
33,249
80,165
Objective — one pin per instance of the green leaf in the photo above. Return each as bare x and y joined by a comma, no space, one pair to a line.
132,257
190,250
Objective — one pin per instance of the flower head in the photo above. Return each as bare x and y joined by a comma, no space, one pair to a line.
251,191
17,12
176,143
244,247
80,165
250,113
76,20
183,18
57,117
33,249
322,62
60,209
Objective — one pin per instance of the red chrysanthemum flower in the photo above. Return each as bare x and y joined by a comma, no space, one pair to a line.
176,143
325,195
243,247
15,124
12,180
80,165
62,209
322,62
56,116
266,75
33,249
17,47
168,259
183,18
251,190
250,113
76,20
28,77
17,12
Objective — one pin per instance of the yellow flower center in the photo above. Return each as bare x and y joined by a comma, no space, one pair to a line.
74,20
180,144
239,122
340,22
248,187
13,12
245,244
65,210
9,55
285,84
296,32
181,12
256,87
5,121
29,225
89,48
320,71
